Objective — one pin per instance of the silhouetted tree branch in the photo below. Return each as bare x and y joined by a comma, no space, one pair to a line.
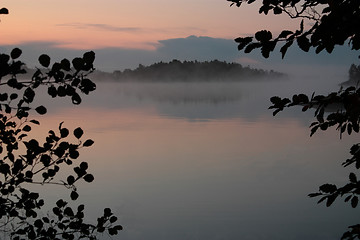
331,23
25,160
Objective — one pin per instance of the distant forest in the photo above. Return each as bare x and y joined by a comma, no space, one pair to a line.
353,75
190,71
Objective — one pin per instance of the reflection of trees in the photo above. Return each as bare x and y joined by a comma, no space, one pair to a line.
194,70
184,93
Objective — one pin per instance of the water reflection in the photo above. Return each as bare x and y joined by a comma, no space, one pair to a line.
207,161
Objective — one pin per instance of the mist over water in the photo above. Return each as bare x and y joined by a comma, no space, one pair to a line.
208,160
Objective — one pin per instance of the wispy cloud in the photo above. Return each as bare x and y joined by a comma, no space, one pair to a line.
100,26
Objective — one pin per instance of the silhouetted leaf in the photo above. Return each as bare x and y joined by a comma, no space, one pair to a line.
74,195
263,36
89,178
4,11
303,43
285,33
78,63
243,42
70,180
277,10
26,128
88,143
354,201
89,57
352,178
251,47
15,53
328,188
29,95
41,110
13,96
78,132
76,99
44,60
284,48
330,200
113,219
84,165
65,64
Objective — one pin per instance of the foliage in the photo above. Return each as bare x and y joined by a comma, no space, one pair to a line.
25,160
354,74
330,23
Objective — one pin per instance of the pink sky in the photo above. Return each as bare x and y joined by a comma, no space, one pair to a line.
138,24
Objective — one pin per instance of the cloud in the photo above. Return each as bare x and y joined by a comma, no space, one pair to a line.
198,48
104,27
191,48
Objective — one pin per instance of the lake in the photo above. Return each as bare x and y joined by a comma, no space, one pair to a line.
207,161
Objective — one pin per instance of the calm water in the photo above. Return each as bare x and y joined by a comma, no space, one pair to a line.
207,161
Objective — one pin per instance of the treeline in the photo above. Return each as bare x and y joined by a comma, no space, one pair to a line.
194,71
353,75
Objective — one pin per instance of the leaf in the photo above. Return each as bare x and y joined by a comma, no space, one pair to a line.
302,26
88,143
251,47
4,11
330,200
76,99
65,64
78,132
349,128
78,63
285,33
313,130
352,178
15,53
74,195
52,91
70,180
89,57
328,188
89,178
277,10
13,96
41,110
29,95
284,48
84,165
44,60
326,10
64,132
243,42
69,212
113,219
263,36
347,198
26,128
303,43
314,194
354,201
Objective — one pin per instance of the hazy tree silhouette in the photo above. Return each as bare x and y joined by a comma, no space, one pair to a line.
25,161
324,25
199,71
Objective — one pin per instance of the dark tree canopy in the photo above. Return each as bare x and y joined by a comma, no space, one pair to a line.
324,25
25,161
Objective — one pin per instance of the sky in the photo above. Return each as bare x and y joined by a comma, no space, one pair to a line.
125,33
